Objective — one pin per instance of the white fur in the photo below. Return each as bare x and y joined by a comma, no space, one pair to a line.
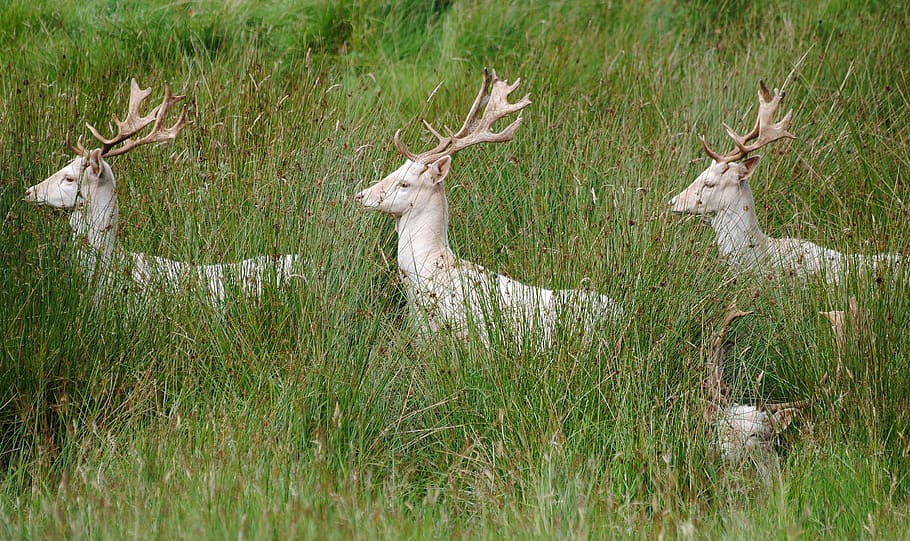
87,186
445,292
744,430
722,194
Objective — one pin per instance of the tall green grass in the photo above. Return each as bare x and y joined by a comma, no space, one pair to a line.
313,412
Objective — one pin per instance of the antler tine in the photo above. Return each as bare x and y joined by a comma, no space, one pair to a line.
496,106
401,146
162,134
764,97
429,127
768,132
443,142
483,97
713,155
763,132
134,120
492,99
158,133
78,148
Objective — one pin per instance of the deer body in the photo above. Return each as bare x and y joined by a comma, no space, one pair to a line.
445,292
249,274
721,194
88,187
90,191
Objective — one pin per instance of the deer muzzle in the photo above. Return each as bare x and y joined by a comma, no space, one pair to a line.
31,195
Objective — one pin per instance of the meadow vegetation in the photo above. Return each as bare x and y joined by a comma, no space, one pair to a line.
313,412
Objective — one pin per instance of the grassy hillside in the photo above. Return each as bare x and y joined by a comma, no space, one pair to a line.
313,412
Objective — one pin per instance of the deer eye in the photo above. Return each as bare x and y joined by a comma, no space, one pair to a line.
709,183
404,184
69,179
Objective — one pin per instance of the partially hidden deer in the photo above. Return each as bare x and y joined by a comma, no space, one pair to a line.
743,431
443,291
722,195
88,187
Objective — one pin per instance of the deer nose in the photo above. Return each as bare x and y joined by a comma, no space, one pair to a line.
29,195
358,197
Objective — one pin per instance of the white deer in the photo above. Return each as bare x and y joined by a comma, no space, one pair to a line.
87,186
721,193
743,431
442,290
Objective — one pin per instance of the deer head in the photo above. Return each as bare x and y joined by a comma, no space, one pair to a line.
72,185
422,175
745,429
723,183
88,173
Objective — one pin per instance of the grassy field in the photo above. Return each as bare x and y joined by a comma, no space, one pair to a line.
313,413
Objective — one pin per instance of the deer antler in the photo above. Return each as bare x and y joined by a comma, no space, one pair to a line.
135,122
493,99
714,378
765,130
718,391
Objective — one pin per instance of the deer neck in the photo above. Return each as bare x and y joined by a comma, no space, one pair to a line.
95,218
423,241
739,237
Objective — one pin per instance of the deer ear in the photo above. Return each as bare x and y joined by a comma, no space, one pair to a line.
750,164
439,169
94,161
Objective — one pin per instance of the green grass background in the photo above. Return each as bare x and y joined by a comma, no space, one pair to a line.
312,413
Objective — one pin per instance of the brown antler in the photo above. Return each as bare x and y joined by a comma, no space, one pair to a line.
493,100
765,130
718,391
135,122
714,378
